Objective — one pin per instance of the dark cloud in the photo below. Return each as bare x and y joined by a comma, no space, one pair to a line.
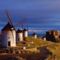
41,14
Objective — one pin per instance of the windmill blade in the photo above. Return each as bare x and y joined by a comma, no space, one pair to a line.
10,21
9,17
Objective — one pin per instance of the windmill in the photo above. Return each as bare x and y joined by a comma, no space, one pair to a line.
12,27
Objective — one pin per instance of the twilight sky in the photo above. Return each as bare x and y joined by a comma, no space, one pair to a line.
39,15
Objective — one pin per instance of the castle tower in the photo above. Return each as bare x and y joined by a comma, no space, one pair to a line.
9,36
19,35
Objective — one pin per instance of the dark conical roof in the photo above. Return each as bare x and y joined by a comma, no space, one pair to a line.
8,26
18,31
25,30
34,34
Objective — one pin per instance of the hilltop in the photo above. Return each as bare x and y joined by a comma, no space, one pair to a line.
34,45
32,49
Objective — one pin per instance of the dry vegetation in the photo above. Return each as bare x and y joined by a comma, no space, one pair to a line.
36,49
51,46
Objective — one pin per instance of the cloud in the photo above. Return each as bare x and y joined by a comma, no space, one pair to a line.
41,13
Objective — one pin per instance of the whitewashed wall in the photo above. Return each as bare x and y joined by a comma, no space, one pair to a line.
35,36
25,33
9,36
13,40
20,36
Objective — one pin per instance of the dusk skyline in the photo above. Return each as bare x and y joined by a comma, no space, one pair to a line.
39,15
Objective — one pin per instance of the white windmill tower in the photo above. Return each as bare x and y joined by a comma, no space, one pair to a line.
9,34
22,33
25,30
19,32
34,35
25,33
19,35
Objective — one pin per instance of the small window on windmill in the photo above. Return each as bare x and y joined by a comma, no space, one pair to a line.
8,43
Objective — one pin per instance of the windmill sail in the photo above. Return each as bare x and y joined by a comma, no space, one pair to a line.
9,18
10,22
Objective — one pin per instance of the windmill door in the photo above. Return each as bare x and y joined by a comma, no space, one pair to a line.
9,43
